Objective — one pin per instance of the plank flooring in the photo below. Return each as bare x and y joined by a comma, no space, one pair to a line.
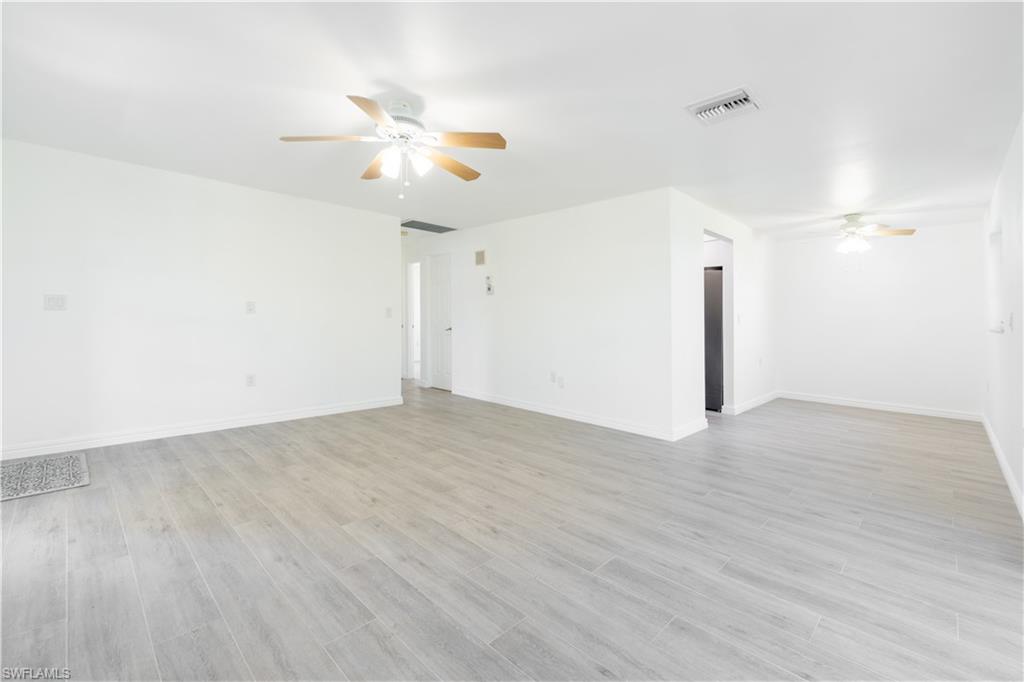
455,539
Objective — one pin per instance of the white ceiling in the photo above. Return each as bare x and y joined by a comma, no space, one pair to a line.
903,110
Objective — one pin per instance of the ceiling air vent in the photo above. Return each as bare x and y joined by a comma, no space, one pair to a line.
724,106
426,227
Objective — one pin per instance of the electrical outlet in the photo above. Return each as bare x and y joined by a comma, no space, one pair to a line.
250,307
561,382
250,380
55,302
554,376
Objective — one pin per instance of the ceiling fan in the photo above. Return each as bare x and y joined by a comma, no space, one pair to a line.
854,233
409,144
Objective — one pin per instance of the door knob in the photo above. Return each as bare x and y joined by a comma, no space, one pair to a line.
448,329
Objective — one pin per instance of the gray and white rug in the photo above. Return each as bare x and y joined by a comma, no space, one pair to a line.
43,474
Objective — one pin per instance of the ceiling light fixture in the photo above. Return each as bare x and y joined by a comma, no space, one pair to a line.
853,243
396,159
420,163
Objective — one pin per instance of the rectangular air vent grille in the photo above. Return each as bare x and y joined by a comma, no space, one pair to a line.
426,227
723,106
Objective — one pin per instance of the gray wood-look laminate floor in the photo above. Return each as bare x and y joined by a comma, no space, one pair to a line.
455,539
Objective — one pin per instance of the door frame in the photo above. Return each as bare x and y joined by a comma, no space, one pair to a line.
728,320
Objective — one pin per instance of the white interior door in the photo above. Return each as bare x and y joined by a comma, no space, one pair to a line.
441,322
413,317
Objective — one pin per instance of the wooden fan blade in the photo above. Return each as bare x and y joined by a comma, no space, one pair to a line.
372,171
892,232
373,110
479,140
330,138
451,165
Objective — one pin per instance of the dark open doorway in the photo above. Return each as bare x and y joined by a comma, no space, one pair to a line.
714,372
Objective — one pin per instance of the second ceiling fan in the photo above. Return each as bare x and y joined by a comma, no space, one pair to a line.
409,144
853,233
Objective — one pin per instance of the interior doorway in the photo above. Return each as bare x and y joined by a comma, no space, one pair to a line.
714,367
441,321
412,316
718,323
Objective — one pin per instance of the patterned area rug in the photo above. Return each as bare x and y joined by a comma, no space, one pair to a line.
44,474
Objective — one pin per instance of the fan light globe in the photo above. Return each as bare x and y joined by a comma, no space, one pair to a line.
420,163
853,243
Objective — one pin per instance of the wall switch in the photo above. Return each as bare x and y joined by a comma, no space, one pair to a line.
55,302
387,312
250,307
250,380
554,376
561,382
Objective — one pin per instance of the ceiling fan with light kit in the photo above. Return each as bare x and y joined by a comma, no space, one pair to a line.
854,233
409,145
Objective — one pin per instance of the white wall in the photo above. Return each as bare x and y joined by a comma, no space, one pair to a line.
581,292
898,327
1002,243
157,267
686,232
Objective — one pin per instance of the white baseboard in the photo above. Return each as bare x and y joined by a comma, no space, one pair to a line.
102,440
680,432
640,429
886,407
750,404
1004,465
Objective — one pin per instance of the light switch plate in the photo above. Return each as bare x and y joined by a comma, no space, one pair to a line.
55,302
250,307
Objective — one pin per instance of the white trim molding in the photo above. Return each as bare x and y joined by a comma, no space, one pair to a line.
1004,466
886,407
103,440
680,432
740,408
639,429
